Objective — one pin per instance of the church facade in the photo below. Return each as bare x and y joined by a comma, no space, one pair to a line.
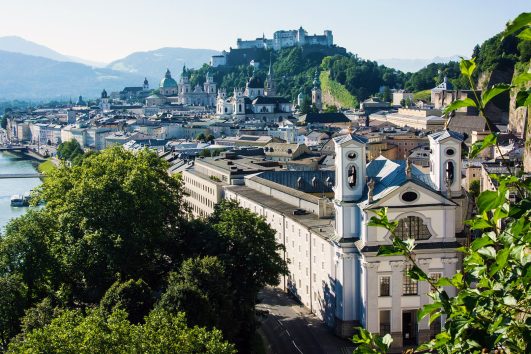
334,269
258,101
182,93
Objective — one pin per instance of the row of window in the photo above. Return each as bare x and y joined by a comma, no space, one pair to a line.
409,285
195,183
199,197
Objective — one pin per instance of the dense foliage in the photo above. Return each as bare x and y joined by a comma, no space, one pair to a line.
338,91
73,331
115,235
70,151
362,78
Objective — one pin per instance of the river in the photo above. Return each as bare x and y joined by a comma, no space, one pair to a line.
14,163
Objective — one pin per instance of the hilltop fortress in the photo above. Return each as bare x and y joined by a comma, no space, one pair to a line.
254,49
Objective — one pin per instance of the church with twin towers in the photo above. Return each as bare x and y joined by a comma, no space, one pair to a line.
322,219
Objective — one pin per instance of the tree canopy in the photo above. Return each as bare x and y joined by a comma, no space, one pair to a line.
113,246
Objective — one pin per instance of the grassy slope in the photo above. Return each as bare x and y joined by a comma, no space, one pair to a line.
46,167
422,95
338,91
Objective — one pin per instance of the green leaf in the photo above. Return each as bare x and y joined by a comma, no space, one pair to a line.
481,242
523,20
523,98
509,300
444,282
479,224
525,34
467,66
478,146
387,340
455,105
494,91
522,78
428,309
488,252
417,273
489,200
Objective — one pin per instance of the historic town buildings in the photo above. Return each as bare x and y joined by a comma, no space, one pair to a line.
321,217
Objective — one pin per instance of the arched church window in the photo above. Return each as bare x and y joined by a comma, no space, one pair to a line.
412,227
352,176
239,107
450,172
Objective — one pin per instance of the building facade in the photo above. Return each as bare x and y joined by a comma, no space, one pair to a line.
321,217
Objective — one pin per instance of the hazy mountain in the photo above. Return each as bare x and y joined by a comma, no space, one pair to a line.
35,77
153,64
20,45
413,65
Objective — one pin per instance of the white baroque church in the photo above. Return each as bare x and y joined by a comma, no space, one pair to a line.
321,218
258,101
183,93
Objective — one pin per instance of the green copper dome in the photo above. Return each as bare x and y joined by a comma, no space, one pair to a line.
167,81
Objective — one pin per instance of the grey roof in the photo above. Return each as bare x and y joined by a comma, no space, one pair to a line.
389,175
326,118
344,138
443,134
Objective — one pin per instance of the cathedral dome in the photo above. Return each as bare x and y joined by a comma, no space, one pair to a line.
167,81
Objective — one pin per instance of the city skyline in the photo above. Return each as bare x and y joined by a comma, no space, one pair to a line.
102,32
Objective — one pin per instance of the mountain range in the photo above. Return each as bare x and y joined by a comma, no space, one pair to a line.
32,71
29,70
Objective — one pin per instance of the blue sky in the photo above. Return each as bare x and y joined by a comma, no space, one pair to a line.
104,30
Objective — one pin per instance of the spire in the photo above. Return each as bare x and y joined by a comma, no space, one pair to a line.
316,82
145,81
270,72
168,74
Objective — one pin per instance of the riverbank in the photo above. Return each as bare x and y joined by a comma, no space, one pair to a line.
11,163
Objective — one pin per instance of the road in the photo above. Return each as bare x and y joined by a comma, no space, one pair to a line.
290,328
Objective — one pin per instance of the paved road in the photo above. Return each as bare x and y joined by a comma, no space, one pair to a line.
290,328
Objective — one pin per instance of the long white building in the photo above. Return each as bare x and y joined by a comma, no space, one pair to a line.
321,217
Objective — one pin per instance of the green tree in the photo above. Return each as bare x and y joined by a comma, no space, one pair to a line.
251,259
200,137
70,151
135,297
25,252
119,216
3,121
202,290
209,138
330,109
475,188
73,332
12,295
386,94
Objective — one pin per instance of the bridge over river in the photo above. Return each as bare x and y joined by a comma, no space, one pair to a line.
13,148
20,175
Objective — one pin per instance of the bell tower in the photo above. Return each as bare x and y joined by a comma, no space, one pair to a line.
350,164
317,97
445,162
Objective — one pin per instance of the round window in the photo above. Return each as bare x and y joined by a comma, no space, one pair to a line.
409,196
450,152
352,155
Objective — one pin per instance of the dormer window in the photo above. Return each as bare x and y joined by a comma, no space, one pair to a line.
412,227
